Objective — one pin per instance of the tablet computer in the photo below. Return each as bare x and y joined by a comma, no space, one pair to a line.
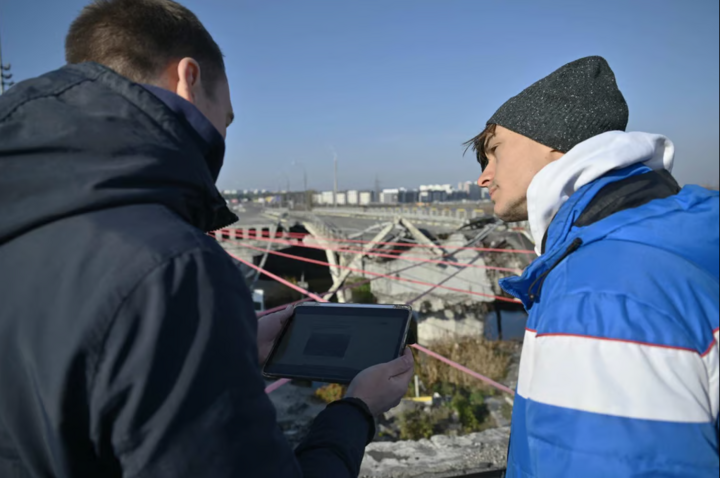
326,342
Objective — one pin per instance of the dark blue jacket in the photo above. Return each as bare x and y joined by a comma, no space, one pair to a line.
127,336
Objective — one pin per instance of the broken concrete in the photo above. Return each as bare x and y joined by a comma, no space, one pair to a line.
472,279
439,456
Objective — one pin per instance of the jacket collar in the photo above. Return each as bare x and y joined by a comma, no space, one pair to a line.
587,162
213,143
563,233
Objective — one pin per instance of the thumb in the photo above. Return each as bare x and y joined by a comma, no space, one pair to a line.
285,315
401,364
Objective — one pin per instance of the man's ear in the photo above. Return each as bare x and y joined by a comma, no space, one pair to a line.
189,81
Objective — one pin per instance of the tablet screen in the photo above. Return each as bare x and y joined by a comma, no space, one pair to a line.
336,343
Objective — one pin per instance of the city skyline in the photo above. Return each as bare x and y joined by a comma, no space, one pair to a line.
454,186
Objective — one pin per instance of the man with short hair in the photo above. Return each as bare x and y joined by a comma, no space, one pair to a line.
619,371
130,345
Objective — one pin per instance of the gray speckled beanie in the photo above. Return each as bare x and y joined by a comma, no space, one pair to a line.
572,104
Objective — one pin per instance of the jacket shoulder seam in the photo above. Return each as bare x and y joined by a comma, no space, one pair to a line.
55,92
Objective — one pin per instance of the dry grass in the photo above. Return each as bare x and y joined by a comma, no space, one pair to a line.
330,392
485,357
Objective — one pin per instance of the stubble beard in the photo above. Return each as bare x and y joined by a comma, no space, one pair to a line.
516,211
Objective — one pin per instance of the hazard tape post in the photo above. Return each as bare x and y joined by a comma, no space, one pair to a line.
279,383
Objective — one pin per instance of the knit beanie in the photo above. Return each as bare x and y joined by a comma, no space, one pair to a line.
576,102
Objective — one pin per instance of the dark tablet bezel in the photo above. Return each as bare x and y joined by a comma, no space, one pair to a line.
328,376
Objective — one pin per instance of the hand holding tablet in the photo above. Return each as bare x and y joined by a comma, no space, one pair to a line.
335,342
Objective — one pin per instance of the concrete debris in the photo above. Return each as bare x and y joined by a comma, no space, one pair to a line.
439,456
472,278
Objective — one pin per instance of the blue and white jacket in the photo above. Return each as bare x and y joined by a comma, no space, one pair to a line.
619,372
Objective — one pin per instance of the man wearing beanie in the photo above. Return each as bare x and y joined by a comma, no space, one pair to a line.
619,372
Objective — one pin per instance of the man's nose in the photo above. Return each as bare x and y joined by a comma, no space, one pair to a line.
485,178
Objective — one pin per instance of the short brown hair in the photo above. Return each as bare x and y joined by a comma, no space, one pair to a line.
138,38
479,144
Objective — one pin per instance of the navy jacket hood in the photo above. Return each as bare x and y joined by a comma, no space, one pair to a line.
84,138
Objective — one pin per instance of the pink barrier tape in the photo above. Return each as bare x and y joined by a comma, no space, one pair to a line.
464,369
377,274
347,287
280,307
389,256
276,384
279,279
297,235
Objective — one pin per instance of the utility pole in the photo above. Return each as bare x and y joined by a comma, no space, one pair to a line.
305,189
305,180
335,188
305,186
377,188
5,75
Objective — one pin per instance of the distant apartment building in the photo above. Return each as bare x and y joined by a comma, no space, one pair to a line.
365,198
465,191
435,193
328,198
399,196
409,196
389,196
471,191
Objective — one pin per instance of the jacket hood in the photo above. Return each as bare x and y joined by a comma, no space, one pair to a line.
585,163
83,138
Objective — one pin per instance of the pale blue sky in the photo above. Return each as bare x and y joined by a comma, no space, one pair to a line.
395,86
